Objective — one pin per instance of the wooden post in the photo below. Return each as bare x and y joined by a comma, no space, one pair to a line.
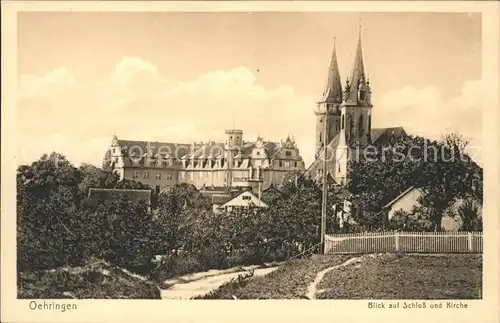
469,240
396,240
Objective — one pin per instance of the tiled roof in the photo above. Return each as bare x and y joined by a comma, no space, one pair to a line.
333,87
99,195
357,73
137,149
221,198
134,149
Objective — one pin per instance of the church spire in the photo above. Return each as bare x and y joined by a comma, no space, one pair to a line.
358,71
333,88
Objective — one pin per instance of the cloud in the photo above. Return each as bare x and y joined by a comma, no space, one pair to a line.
425,112
78,118
136,102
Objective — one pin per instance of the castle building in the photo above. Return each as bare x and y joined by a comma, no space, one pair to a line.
230,163
344,121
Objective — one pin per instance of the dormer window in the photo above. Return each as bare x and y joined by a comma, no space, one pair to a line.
288,153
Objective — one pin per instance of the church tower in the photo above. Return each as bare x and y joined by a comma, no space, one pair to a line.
355,115
328,107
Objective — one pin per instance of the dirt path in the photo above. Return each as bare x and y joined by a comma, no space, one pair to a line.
203,283
312,290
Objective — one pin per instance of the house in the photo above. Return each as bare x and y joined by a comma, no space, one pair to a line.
243,200
218,200
409,198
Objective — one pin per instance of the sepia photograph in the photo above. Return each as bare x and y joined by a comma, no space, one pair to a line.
249,155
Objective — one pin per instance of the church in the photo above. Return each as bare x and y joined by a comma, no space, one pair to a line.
344,121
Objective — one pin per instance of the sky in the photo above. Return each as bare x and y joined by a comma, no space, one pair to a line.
184,77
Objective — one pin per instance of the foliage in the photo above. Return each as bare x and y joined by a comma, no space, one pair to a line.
415,221
47,196
58,226
471,219
440,168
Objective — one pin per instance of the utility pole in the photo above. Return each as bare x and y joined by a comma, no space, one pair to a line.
325,187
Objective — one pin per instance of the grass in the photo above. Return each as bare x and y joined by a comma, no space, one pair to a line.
99,281
403,276
290,281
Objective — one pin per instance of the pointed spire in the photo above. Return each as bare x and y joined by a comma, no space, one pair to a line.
358,70
333,88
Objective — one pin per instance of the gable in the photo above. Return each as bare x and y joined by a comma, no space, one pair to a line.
245,198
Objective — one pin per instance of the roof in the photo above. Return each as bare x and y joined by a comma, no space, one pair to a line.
409,189
141,151
271,188
262,203
333,87
220,198
357,73
109,194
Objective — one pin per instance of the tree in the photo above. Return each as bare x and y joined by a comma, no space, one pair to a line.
179,209
448,177
470,215
94,177
47,197
441,169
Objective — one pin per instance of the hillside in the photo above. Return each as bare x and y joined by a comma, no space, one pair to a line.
374,276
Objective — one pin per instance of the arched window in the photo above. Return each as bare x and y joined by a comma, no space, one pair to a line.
360,124
342,122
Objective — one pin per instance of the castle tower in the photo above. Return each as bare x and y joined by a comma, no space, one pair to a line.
234,143
328,106
355,116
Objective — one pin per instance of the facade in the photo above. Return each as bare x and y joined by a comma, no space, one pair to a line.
231,163
344,120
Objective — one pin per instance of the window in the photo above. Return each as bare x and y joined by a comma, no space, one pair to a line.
342,121
146,175
191,175
169,177
295,164
114,151
157,189
360,124
280,163
258,153
158,176
136,175
287,163
247,198
288,153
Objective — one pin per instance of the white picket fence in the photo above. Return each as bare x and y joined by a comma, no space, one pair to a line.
414,242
